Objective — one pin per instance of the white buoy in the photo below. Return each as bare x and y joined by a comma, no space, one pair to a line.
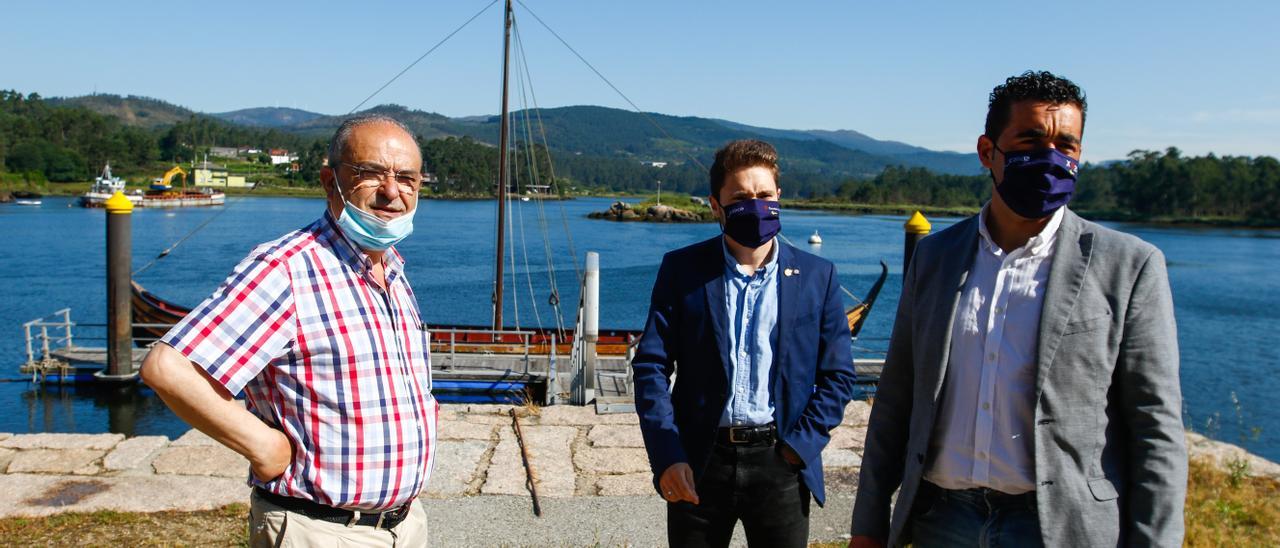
815,239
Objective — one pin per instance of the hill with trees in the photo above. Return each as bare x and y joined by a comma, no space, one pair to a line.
604,150
130,110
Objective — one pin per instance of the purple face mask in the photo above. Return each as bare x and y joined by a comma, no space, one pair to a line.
1037,182
752,222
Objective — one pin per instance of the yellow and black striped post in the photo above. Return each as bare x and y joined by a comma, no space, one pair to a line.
119,275
916,227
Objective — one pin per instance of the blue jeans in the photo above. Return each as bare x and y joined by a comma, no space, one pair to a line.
976,517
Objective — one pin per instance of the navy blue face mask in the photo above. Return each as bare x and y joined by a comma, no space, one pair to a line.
752,222
1037,182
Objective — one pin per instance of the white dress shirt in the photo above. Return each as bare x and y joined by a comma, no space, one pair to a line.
983,433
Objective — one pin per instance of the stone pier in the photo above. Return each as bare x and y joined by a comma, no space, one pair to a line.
592,476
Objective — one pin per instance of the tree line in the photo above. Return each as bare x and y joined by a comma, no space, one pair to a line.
70,143
1147,184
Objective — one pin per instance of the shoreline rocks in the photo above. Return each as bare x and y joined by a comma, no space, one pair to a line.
623,211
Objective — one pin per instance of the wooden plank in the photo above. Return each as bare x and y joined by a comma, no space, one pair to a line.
83,355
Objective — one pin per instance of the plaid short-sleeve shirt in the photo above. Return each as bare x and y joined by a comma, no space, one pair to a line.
329,357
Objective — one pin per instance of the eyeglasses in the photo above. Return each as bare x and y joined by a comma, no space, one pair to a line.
408,181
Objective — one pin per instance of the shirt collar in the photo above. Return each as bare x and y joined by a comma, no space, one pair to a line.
350,253
731,263
1040,244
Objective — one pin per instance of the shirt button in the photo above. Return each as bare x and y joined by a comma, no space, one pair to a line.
986,406
982,455
991,357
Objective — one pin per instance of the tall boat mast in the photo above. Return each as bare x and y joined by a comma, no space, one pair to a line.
502,171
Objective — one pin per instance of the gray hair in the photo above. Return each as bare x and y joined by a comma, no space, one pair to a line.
339,140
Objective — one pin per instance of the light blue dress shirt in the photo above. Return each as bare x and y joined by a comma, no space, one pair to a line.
752,303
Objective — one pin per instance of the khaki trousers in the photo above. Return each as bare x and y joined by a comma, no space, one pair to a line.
274,527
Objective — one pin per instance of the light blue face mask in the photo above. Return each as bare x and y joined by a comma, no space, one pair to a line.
369,231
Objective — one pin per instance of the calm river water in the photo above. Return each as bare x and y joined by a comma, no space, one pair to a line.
1225,285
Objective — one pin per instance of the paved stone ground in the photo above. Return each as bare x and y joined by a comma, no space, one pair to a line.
592,476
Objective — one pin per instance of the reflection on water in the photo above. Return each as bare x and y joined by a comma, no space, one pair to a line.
129,409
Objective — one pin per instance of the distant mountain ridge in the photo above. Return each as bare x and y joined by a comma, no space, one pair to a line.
277,117
586,130
133,110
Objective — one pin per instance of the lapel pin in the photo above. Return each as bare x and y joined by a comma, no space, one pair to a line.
789,271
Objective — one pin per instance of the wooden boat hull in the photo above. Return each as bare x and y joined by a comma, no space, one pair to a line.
153,316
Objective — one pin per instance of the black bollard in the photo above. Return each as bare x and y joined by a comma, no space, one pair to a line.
916,227
119,275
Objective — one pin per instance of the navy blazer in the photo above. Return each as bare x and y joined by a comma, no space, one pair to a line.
812,377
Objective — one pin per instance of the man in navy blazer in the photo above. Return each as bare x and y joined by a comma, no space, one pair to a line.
754,334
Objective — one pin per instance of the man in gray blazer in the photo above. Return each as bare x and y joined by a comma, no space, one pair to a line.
1030,394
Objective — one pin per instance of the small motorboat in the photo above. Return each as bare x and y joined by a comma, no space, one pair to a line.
22,197
815,239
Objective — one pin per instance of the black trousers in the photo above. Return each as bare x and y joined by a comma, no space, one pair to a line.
749,483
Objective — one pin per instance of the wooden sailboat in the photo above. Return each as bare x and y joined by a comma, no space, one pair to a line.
153,316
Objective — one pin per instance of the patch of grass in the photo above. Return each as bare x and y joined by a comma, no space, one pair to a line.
1229,508
678,201
226,526
1224,508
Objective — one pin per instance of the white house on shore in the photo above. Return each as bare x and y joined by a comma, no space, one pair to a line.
282,156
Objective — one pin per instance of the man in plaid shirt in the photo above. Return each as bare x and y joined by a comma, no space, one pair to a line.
321,331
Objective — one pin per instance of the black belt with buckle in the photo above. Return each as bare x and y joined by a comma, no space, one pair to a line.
747,435
379,520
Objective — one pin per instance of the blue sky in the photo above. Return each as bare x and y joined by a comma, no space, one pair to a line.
1202,76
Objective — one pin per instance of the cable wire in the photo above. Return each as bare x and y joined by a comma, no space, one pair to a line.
606,80
423,56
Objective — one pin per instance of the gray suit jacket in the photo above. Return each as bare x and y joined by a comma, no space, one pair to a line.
1110,450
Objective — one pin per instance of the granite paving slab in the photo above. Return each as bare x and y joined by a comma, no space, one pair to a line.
614,435
37,495
194,437
56,461
465,430
134,453
62,441
840,458
201,460
457,464
848,436
571,415
611,460
640,484
550,455
857,413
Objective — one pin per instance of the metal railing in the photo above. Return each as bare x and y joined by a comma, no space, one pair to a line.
43,335
526,340
577,354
